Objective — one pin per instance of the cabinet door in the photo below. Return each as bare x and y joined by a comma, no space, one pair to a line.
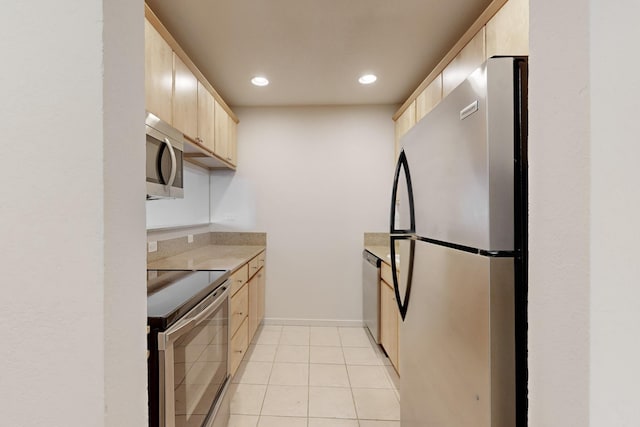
238,346
239,278
253,306
239,308
158,73
185,99
405,122
429,98
206,120
254,266
232,143
221,131
469,58
262,281
508,30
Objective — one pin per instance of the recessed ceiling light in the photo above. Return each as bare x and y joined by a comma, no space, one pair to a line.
260,81
367,79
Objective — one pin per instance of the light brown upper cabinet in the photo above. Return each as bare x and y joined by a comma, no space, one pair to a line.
158,73
179,94
232,142
405,122
185,99
225,134
206,118
469,58
429,98
502,29
508,30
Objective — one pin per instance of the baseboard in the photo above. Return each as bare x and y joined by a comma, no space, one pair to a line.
313,322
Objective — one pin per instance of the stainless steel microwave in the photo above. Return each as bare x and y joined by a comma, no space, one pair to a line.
165,148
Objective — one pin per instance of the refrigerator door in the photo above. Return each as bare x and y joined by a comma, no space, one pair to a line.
461,158
459,370
402,205
402,258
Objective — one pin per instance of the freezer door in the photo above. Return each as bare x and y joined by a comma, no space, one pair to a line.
457,339
461,158
402,213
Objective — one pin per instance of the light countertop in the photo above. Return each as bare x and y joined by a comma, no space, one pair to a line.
211,257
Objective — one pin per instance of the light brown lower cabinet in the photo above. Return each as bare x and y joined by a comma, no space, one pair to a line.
246,307
389,316
238,346
239,309
262,280
253,305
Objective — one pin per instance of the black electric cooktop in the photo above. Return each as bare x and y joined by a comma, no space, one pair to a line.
172,293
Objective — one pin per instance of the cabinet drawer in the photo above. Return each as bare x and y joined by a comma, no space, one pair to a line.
261,259
238,346
239,278
385,273
239,309
254,266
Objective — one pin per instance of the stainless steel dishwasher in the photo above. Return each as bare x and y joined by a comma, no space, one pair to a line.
371,294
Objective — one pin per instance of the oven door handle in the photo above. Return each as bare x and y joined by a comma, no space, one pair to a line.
188,324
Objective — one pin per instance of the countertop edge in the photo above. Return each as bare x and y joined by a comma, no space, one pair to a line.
210,257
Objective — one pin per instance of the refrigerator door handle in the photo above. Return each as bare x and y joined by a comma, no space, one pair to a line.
403,165
407,268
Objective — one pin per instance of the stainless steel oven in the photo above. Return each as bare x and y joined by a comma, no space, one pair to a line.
191,361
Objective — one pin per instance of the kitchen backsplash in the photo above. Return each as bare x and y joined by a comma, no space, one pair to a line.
170,247
376,239
238,238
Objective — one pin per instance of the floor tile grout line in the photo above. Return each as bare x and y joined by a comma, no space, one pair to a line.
267,386
342,347
353,398
309,382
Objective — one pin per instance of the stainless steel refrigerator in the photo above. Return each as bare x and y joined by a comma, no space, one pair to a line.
458,223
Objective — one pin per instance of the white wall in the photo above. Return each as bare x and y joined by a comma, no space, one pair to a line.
314,179
125,291
72,238
584,210
615,214
559,275
192,209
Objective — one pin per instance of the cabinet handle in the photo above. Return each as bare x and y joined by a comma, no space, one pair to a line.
239,280
172,175
238,351
254,267
229,158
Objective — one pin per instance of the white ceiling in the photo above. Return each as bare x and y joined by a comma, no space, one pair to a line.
313,51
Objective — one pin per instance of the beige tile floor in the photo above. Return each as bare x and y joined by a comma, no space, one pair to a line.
301,376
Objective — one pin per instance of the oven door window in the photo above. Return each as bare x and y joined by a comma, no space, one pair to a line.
159,163
200,368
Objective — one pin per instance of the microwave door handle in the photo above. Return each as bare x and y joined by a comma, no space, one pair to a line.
172,176
180,328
